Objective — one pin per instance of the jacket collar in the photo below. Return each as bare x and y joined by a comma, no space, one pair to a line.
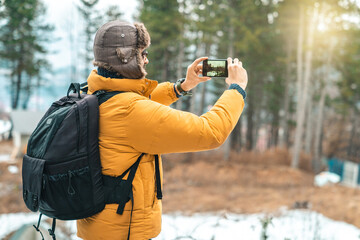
141,86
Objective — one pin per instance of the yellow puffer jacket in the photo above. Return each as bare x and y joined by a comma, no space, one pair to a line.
141,121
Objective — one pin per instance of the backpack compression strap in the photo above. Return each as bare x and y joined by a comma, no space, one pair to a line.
158,179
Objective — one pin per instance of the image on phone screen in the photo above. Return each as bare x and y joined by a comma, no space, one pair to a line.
215,68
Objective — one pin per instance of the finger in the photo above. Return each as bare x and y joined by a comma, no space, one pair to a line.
197,61
199,67
240,63
236,61
229,60
204,79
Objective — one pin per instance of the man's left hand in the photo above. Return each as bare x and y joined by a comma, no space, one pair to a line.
192,75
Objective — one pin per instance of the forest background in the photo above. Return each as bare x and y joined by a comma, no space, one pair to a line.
302,59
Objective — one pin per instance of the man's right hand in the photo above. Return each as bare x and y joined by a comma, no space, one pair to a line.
236,73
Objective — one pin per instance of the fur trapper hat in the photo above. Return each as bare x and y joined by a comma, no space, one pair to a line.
118,46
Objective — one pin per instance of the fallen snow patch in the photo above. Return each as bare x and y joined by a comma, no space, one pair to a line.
13,169
296,224
291,225
13,221
4,158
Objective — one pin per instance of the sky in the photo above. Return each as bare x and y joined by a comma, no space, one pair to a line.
62,13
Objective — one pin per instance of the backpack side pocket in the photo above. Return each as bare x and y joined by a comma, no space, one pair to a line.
32,176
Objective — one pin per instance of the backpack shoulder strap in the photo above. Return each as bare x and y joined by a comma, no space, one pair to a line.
104,96
84,87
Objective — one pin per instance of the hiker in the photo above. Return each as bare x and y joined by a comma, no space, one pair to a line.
139,120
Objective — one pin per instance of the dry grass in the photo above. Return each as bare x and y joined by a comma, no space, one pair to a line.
251,183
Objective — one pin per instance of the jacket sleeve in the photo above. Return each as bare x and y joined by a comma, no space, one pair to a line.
164,94
157,129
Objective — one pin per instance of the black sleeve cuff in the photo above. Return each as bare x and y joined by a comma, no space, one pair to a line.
177,95
239,89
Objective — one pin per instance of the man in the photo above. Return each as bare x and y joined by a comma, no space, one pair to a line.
139,120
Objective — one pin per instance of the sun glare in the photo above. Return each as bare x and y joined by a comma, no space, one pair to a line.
322,27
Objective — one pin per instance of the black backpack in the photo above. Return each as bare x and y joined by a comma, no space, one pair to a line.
62,171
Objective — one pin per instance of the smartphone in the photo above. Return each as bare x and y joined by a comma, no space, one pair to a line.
215,68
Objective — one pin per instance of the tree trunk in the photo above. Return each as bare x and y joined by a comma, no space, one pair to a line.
257,127
250,126
275,130
299,80
228,143
179,73
356,150
301,107
27,93
319,125
203,85
236,137
12,90
316,161
17,86
351,143
164,74
194,90
309,123
284,126
299,57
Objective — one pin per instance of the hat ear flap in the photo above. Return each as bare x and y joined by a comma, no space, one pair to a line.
143,35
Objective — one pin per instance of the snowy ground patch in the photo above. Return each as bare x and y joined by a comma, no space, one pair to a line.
13,221
291,225
4,158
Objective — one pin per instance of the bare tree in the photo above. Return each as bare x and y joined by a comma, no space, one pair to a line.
302,97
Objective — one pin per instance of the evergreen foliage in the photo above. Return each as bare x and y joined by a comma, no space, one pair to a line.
164,23
91,18
265,36
23,35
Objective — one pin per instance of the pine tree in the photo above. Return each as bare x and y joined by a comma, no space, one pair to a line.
164,23
22,37
113,13
91,18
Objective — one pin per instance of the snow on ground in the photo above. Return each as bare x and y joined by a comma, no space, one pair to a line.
4,158
299,224
5,126
291,225
12,221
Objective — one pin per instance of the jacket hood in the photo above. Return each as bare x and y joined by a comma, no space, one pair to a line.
142,86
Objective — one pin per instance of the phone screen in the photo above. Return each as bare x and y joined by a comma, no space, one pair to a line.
215,68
